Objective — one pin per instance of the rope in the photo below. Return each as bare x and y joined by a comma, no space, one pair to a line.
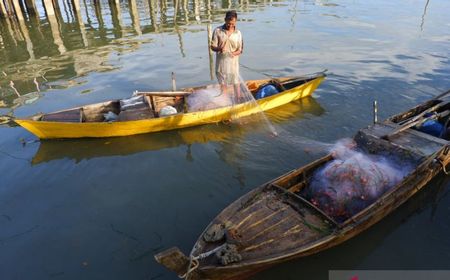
444,168
272,76
194,261
445,152
193,265
256,71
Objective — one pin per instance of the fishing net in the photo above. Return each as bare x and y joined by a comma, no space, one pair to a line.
207,98
352,181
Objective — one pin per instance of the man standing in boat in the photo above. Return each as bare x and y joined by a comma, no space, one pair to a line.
227,43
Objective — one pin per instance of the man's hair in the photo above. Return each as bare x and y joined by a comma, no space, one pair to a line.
230,15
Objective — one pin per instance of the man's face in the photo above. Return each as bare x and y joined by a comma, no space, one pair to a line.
230,23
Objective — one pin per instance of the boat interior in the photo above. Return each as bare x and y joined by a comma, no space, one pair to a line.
150,105
432,117
407,150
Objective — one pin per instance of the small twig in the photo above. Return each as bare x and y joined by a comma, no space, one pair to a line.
124,234
18,234
11,84
7,217
37,84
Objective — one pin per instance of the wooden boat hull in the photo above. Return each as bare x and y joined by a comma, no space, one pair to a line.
99,147
49,129
275,222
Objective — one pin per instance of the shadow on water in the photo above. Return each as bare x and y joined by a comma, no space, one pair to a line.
83,149
381,240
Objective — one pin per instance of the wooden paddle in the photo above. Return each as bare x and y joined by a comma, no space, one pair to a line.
164,93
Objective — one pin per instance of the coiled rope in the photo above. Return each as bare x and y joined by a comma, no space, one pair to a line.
194,260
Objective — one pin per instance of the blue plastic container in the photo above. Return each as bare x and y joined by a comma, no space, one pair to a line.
432,127
266,91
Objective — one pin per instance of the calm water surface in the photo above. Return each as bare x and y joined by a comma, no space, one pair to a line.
101,208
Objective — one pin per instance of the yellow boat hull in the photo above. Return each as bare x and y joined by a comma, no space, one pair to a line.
49,130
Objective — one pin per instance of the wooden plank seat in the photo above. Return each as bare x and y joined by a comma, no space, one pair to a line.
73,115
144,111
136,114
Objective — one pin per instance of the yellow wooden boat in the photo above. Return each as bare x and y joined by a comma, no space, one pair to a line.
85,149
89,120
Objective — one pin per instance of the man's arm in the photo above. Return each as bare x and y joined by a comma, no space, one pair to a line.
215,42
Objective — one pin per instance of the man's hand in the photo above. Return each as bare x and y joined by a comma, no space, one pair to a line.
236,53
216,49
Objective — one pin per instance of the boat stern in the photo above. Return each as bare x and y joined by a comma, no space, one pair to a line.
174,260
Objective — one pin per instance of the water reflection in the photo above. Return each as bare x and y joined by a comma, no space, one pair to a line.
76,29
85,149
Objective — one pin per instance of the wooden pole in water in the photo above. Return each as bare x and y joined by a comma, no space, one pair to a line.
9,8
10,30
24,29
79,19
375,112
31,7
3,12
48,5
135,17
210,52
17,9
116,16
54,26
174,84
153,15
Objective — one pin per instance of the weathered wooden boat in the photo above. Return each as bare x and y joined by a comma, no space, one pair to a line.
89,121
277,221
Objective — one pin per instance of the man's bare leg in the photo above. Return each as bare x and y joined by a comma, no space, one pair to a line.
237,92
